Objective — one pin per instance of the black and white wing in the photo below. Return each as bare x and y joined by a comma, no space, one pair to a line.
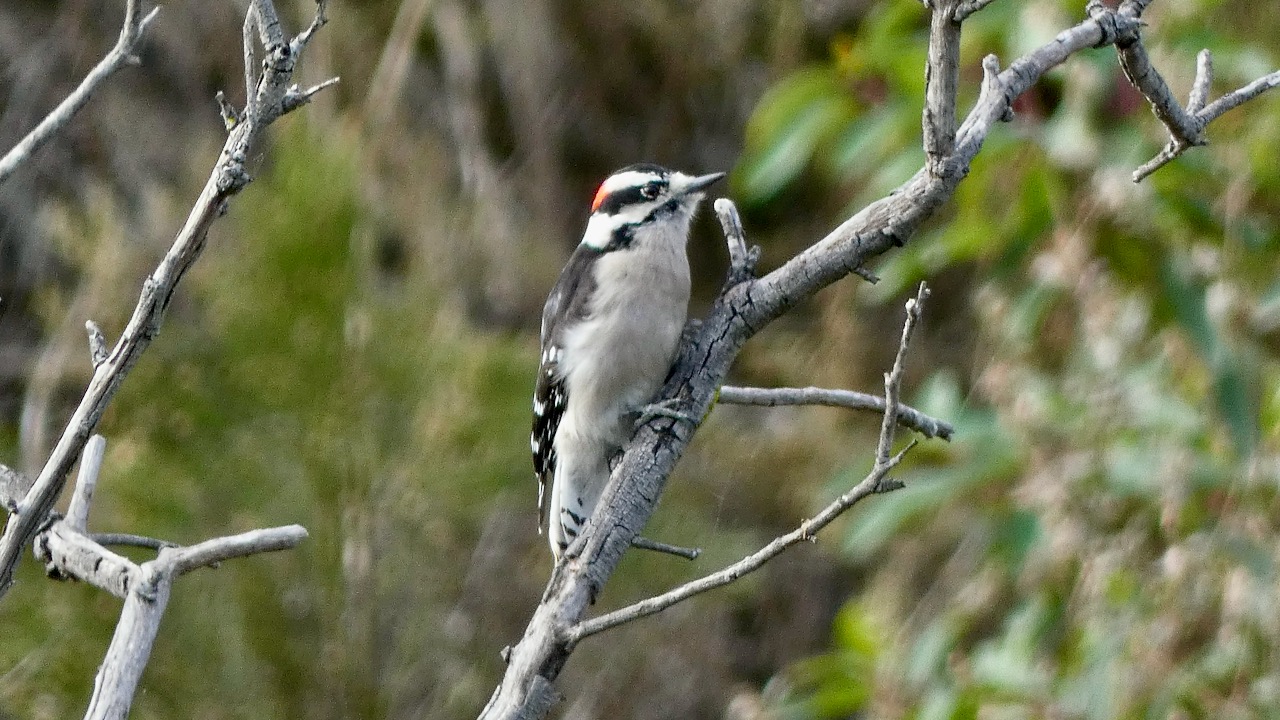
549,401
566,305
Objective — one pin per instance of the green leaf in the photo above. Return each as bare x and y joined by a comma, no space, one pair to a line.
790,124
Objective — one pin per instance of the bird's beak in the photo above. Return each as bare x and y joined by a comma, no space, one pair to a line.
698,183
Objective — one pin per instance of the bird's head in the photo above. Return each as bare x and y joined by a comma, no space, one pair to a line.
641,200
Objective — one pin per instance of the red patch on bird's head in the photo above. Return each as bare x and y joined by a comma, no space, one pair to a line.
601,194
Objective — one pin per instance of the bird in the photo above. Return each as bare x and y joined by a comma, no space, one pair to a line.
610,330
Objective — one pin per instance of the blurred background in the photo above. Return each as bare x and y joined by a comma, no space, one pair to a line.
355,352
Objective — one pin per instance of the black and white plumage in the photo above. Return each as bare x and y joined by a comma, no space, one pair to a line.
610,328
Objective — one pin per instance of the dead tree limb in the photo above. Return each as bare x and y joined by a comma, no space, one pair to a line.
907,416
747,305
1185,125
69,552
145,603
271,97
135,23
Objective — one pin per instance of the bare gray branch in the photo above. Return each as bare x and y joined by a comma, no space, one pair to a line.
742,258
942,79
643,543
183,560
908,416
135,24
1203,83
68,553
130,648
893,379
86,482
965,9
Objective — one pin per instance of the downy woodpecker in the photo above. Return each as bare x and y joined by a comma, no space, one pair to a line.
610,328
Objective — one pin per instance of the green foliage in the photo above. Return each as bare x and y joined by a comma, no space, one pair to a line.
839,683
835,118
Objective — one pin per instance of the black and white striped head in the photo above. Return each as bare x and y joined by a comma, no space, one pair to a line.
640,197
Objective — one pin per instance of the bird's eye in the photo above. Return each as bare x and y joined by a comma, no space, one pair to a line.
650,191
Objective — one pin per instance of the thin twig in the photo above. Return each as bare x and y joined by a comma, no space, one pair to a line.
135,24
230,116
318,20
908,417
1203,82
1237,98
97,343
873,483
295,98
893,379
870,485
965,9
742,258
1207,115
130,540
86,482
643,543
182,560
1166,155
866,274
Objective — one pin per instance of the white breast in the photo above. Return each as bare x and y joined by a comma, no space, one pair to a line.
615,362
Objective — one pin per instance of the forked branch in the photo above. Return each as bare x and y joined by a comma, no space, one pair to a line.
1185,125
876,481
228,177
